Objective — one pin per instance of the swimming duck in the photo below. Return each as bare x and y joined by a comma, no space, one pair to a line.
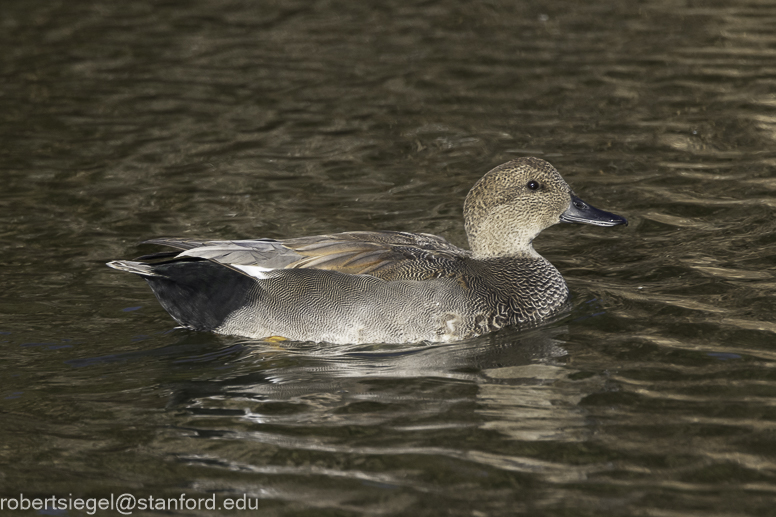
382,286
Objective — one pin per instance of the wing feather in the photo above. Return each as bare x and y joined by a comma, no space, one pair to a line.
382,254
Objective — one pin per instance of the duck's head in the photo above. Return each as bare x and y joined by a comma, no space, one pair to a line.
514,202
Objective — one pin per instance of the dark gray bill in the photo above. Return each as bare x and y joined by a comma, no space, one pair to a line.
580,212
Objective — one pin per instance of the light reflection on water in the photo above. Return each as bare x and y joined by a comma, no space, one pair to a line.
652,395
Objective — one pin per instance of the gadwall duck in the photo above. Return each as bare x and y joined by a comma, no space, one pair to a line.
381,287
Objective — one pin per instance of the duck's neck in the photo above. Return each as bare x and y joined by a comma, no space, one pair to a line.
489,241
491,250
497,236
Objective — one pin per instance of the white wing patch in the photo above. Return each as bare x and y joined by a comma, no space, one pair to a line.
258,272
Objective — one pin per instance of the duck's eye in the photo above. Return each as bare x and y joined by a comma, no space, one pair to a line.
532,185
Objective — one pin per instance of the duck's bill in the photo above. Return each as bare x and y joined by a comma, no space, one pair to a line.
580,212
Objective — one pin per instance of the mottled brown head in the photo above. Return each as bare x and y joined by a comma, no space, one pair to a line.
511,204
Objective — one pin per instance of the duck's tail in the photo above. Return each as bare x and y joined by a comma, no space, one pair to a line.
138,268
199,294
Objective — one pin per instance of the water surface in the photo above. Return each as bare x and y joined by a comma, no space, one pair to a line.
653,395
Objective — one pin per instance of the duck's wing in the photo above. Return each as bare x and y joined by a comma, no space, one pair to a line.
265,253
382,254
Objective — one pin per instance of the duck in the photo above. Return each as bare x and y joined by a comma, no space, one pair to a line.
381,286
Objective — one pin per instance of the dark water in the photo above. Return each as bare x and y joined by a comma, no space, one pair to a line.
654,395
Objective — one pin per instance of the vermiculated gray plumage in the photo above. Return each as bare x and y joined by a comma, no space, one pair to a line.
359,287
